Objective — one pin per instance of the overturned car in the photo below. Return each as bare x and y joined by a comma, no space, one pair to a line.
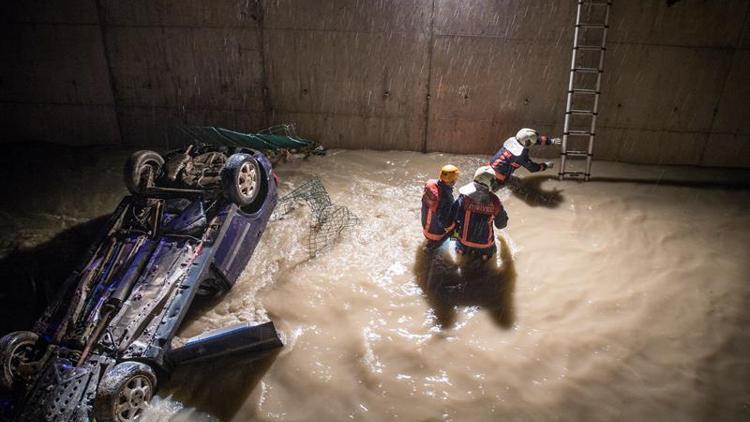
189,227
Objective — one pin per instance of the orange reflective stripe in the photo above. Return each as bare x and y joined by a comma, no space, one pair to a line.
432,236
467,218
465,232
476,245
432,193
426,228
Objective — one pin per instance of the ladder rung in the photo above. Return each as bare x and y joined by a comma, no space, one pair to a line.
577,154
578,133
592,45
586,69
582,112
584,91
589,48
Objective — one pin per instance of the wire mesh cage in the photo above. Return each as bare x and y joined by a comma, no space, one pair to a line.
328,221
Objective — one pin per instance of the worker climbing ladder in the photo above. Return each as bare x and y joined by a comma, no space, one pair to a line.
586,68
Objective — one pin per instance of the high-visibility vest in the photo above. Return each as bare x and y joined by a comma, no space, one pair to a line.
475,219
436,206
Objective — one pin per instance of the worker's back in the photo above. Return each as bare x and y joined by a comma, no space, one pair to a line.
476,211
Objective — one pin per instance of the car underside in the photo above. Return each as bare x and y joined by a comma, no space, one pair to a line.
188,229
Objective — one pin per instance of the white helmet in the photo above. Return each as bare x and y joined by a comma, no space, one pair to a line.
526,136
484,176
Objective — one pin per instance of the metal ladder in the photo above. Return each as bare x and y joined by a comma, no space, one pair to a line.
580,89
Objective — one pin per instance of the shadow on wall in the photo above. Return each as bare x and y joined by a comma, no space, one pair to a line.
31,278
467,282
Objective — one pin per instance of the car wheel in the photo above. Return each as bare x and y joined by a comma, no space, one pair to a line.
16,348
142,169
124,392
241,179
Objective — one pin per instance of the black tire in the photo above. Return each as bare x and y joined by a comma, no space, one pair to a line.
241,179
124,391
16,347
142,169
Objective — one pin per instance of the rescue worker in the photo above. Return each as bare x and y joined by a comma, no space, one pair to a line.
475,211
437,200
515,153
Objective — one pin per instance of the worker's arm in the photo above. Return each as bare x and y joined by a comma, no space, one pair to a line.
501,217
531,166
546,140
457,214
446,216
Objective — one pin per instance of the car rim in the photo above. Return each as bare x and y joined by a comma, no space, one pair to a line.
247,180
147,176
19,356
133,398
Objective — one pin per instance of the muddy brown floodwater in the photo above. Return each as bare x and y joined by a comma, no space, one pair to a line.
609,300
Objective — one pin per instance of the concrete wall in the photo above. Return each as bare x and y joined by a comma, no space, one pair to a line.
433,75
109,71
54,81
183,61
351,73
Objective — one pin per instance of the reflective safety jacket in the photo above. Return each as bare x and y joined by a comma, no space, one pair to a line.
437,199
513,155
475,215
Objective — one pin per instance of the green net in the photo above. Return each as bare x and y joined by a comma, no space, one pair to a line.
274,138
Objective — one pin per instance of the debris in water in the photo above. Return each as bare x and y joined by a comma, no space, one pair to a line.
328,219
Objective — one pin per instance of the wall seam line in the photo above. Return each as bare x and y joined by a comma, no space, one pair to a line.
715,110
265,89
430,49
110,74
